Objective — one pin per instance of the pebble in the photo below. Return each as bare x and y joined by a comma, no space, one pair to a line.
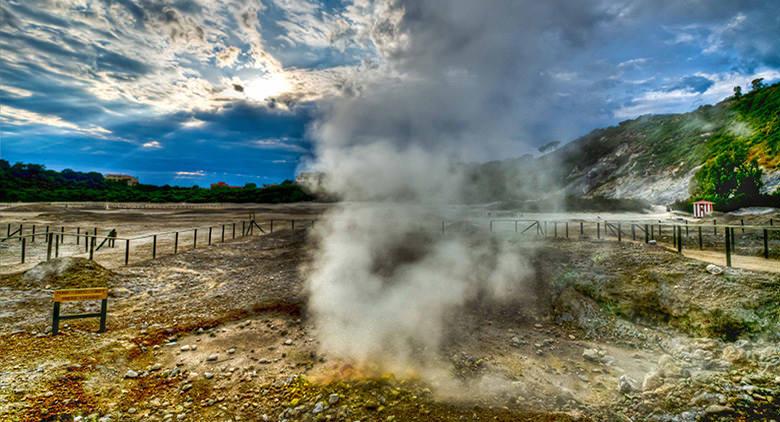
627,384
318,408
717,408
131,374
714,269
231,350
288,342
212,357
208,375
333,399
185,348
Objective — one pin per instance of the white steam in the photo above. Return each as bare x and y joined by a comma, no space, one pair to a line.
469,79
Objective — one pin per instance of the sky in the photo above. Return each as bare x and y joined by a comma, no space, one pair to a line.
190,92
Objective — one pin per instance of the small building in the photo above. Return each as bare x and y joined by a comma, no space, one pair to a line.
703,208
220,185
130,180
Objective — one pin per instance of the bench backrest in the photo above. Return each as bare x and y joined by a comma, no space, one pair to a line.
76,295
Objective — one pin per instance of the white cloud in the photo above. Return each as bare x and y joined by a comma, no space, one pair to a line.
16,92
20,117
681,100
277,144
151,145
190,174
193,123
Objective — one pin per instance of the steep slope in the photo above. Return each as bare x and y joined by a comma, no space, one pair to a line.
655,157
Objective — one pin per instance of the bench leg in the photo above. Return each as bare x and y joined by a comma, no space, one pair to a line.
103,315
55,319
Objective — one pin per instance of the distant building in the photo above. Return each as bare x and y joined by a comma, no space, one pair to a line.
703,208
130,180
219,185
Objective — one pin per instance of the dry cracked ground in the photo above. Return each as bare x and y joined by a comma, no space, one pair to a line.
606,331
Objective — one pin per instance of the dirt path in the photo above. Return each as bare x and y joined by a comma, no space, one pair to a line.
751,263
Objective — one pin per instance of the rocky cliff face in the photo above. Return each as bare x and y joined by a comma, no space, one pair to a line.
656,157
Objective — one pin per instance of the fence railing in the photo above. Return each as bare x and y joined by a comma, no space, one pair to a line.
62,242
731,239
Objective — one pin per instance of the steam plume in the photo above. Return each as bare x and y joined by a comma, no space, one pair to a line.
464,85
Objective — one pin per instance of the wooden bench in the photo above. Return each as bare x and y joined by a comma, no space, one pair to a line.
79,295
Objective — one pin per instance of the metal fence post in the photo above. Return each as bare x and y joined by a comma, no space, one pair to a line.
582,228
766,244
57,246
92,248
154,246
620,234
222,237
701,241
209,236
176,243
48,246
679,239
195,239
127,251
272,225
598,230
234,231
24,244
567,229
647,234
33,234
728,247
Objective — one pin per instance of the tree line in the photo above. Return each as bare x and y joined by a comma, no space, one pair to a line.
27,182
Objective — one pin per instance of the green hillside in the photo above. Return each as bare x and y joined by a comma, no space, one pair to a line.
743,128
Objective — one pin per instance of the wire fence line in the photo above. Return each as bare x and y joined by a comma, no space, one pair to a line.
731,239
26,245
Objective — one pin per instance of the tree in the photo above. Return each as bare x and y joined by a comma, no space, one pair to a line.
250,186
729,179
757,84
737,91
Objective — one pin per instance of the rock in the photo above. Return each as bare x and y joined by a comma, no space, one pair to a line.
231,350
652,381
517,342
627,384
288,342
155,367
651,242
333,399
733,354
715,409
132,411
714,269
131,374
212,357
185,348
208,375
591,355
318,408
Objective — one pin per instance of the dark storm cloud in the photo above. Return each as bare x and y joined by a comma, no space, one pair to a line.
495,81
698,84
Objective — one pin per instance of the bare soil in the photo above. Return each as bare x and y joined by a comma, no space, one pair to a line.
222,333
